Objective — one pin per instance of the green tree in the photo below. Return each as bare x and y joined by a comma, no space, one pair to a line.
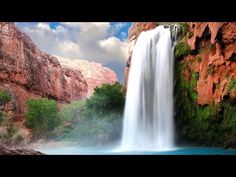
1,117
108,98
42,116
5,97
97,120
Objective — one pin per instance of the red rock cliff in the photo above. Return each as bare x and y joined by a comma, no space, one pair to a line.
27,72
94,73
215,44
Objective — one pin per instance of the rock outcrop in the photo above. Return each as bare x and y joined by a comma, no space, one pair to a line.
27,72
17,151
94,73
205,87
215,44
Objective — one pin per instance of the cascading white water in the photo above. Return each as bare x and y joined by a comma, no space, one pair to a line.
148,117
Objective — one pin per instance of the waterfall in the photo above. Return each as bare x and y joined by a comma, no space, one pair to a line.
148,116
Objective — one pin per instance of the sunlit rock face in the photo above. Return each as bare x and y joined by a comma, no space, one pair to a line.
94,73
215,44
28,72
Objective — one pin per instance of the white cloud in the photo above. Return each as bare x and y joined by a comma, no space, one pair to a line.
69,48
43,26
88,40
114,47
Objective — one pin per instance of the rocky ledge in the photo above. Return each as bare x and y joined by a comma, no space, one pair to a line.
17,151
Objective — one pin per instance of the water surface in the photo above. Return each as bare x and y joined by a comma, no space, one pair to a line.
112,150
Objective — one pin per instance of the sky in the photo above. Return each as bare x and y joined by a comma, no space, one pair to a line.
102,42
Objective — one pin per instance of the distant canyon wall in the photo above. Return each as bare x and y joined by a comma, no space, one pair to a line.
27,72
94,73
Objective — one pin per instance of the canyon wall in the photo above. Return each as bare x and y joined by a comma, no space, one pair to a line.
212,43
94,73
27,72
205,81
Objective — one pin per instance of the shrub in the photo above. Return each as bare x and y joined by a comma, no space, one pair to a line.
182,49
96,121
42,116
1,117
5,97
231,85
95,130
107,98
210,70
18,139
199,59
190,34
11,131
184,27
70,116
71,112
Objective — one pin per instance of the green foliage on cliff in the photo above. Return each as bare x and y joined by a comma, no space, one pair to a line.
189,88
1,117
10,133
95,121
184,28
42,116
213,125
182,49
5,97
199,59
190,34
231,85
210,70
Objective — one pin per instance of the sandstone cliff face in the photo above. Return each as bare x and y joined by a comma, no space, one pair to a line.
215,44
27,72
205,87
94,73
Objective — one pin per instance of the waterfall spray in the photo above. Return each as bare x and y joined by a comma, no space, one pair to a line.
148,117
